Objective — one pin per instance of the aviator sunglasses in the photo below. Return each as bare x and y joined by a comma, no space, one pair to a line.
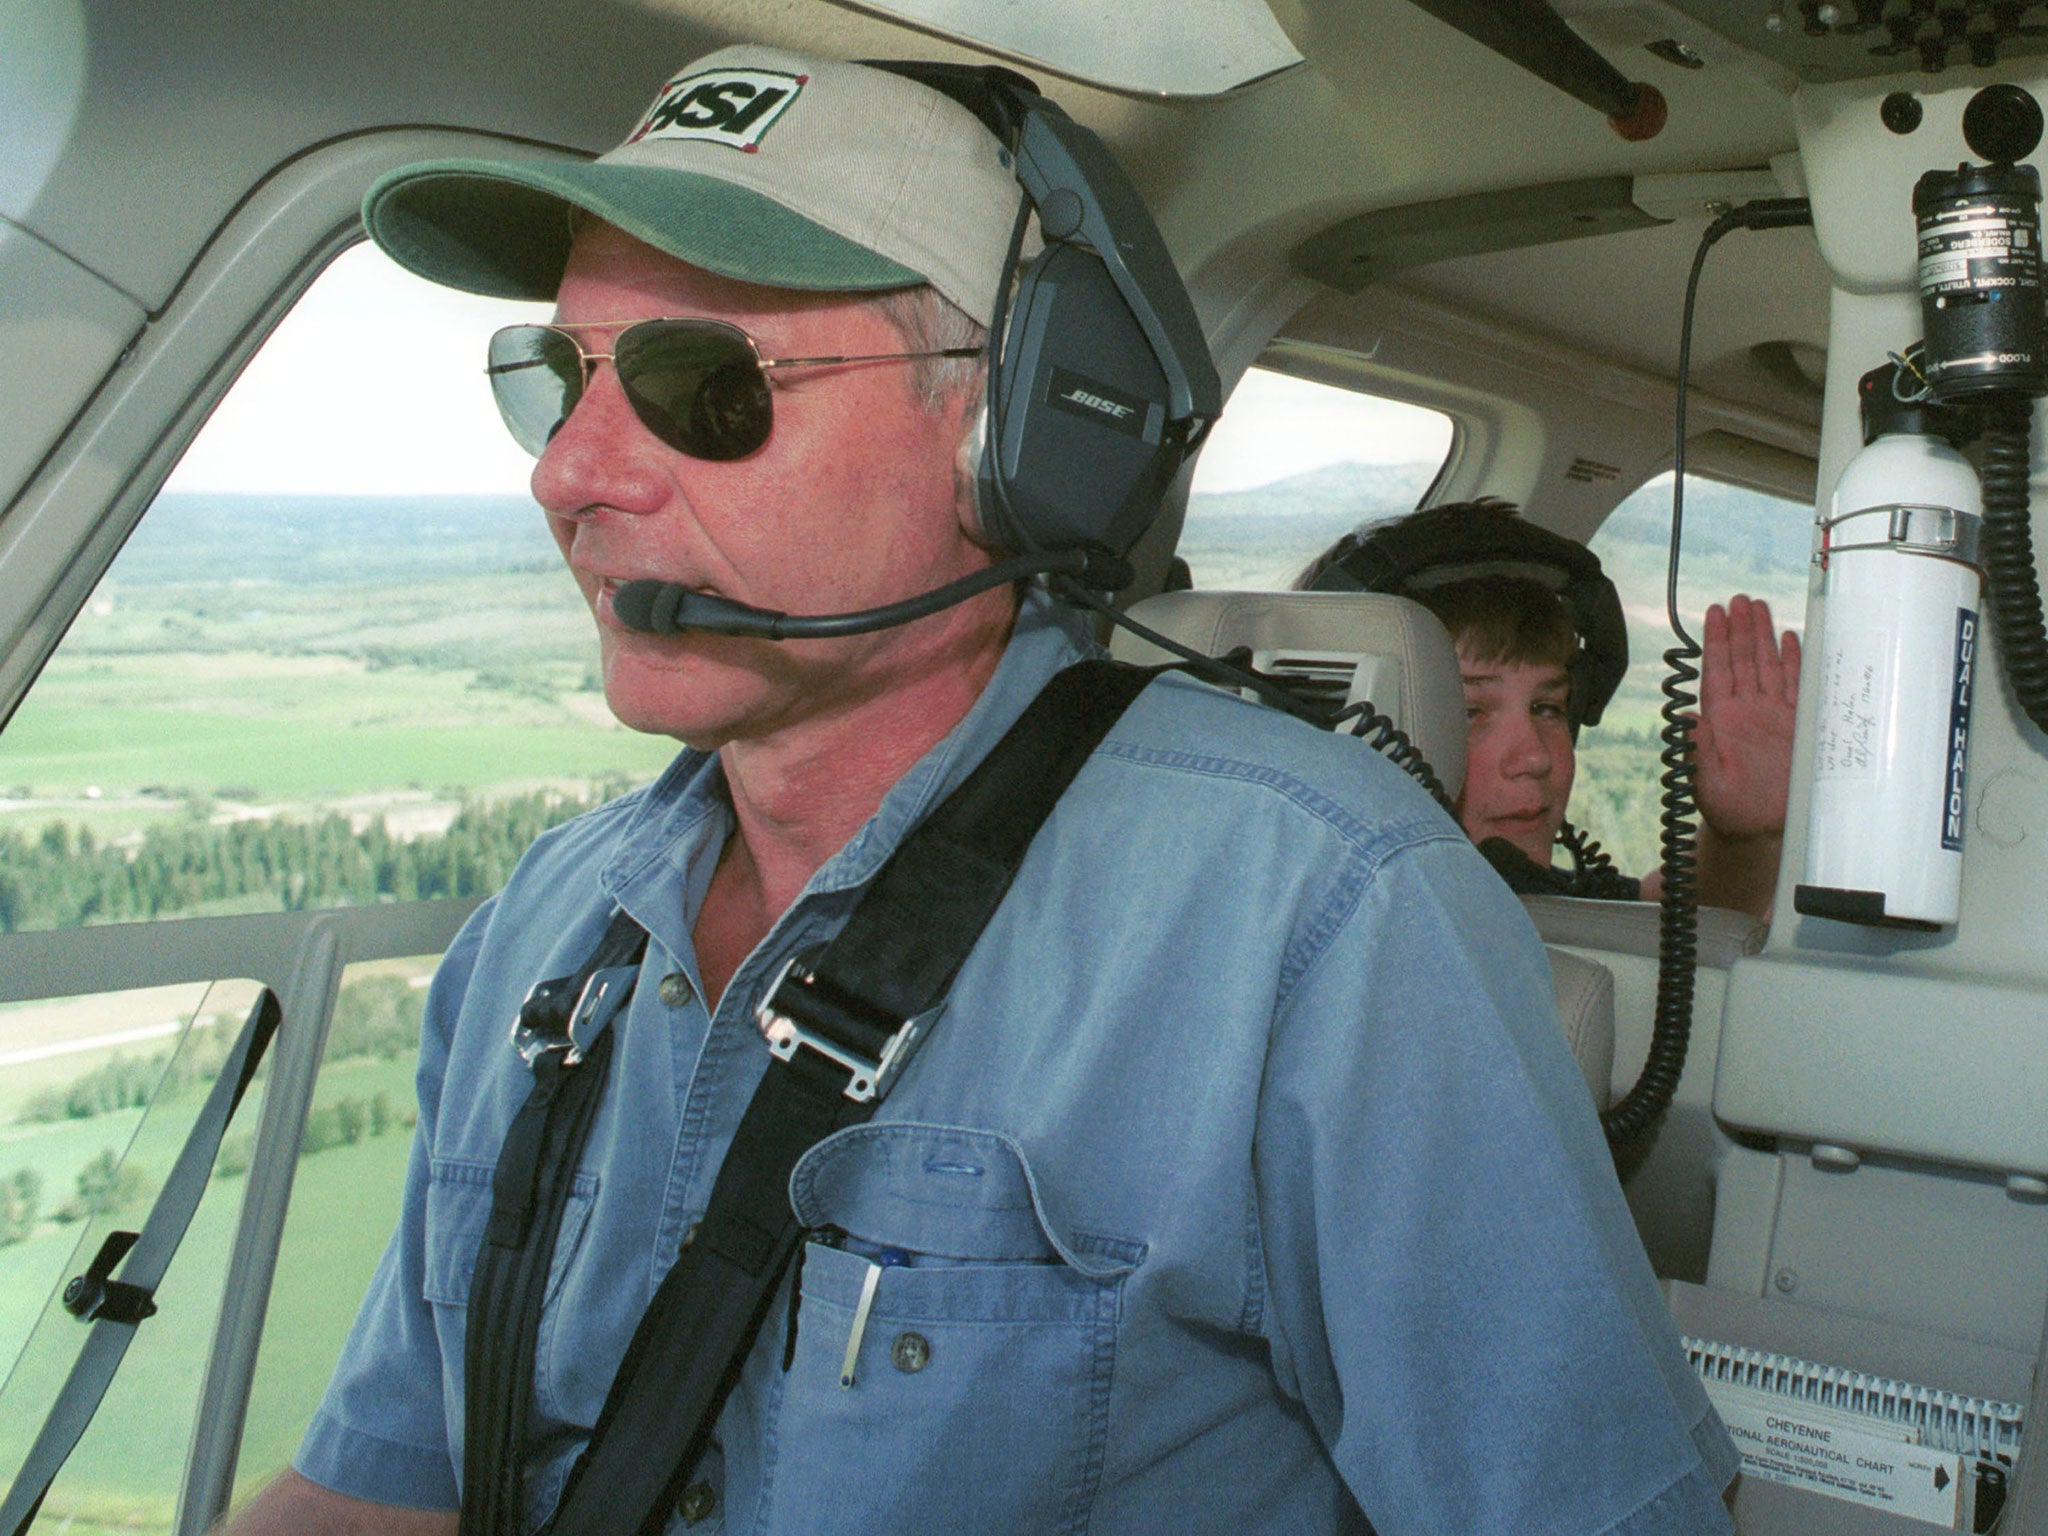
700,386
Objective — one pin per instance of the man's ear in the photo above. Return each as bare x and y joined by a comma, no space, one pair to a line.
967,465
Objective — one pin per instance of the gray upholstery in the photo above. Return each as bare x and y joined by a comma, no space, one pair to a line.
1405,663
1585,1007
1397,654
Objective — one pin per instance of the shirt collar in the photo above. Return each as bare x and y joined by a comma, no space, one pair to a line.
666,839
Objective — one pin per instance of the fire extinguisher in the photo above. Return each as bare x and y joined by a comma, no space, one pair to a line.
1912,536
1896,667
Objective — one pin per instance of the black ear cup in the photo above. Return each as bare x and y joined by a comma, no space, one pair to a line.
1084,448
1100,381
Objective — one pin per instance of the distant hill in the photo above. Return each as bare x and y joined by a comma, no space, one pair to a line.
298,540
194,536
1720,520
1361,490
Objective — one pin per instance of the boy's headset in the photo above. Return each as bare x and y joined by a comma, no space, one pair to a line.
1468,540
1100,384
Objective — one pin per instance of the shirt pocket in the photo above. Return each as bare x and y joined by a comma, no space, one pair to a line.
981,1376
458,1210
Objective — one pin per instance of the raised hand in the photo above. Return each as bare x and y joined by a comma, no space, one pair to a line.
1749,694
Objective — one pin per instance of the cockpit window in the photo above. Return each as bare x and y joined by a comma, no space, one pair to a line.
1291,466
1736,540
336,663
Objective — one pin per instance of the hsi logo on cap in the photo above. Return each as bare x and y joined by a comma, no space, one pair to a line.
726,106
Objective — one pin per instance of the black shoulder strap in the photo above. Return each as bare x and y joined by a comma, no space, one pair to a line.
840,1026
561,1033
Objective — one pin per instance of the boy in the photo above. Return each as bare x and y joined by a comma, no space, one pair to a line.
1542,646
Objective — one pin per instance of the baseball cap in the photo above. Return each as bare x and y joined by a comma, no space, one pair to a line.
755,163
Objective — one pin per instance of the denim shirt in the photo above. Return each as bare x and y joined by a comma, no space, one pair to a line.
1244,1183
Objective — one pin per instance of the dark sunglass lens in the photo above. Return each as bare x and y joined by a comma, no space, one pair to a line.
536,377
696,386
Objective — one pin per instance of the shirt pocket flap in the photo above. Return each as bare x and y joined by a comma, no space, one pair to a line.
946,1192
458,1210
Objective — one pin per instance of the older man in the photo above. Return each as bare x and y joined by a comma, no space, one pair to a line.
1242,1183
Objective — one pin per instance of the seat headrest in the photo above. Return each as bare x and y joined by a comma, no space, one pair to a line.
1348,645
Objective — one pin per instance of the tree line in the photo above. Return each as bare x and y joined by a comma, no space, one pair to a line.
65,877
374,1016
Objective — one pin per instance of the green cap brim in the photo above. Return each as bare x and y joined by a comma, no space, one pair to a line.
502,229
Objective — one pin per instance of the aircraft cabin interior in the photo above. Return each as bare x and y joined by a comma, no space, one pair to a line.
233,667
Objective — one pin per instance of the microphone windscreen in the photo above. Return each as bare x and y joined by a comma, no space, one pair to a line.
633,605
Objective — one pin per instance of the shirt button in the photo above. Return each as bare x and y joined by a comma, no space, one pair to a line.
674,989
910,1353
697,1502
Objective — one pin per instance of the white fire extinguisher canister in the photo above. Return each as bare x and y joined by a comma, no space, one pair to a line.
1902,629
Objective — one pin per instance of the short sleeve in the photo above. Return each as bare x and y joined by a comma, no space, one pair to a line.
382,1430
1455,1290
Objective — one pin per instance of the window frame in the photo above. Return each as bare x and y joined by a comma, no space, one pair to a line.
57,539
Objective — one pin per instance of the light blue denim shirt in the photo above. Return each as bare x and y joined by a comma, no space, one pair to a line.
1246,1183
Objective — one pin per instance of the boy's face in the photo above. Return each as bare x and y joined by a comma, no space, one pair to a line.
1518,758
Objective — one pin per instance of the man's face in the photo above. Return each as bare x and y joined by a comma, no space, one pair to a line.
851,503
1518,756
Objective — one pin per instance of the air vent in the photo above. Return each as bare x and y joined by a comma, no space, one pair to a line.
1332,679
1321,680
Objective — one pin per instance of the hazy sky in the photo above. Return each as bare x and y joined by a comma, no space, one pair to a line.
374,385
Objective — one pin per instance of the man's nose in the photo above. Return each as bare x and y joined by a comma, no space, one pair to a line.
600,456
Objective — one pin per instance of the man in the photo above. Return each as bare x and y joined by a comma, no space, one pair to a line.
1243,1184
1541,647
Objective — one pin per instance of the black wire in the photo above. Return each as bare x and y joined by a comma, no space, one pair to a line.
1210,669
1644,1105
1391,742
2004,465
1593,871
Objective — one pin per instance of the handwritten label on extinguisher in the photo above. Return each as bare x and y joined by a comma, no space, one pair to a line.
1959,729
1849,732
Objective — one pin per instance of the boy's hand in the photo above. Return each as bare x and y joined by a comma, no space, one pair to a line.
1749,695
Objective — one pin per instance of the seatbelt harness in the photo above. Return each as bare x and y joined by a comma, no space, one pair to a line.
841,1022
561,1034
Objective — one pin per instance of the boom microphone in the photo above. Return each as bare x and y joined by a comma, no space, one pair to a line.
668,608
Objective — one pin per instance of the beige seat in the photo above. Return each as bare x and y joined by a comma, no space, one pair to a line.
1346,646
1352,646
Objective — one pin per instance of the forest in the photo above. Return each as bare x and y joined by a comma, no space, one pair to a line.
64,876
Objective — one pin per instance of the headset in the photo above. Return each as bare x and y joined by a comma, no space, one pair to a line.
1100,384
1466,540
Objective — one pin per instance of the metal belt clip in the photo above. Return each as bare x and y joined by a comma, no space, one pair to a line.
535,1032
802,1009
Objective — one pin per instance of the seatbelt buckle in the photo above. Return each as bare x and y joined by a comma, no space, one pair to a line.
804,1009
539,1029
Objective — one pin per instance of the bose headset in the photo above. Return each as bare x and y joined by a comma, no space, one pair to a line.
1100,384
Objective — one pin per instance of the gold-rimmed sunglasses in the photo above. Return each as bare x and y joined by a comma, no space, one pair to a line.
700,386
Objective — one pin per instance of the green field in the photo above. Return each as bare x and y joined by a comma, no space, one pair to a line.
139,717
344,1204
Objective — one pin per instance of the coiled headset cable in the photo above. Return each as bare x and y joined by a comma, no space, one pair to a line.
1644,1105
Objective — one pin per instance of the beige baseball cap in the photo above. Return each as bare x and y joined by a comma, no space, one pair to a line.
758,164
